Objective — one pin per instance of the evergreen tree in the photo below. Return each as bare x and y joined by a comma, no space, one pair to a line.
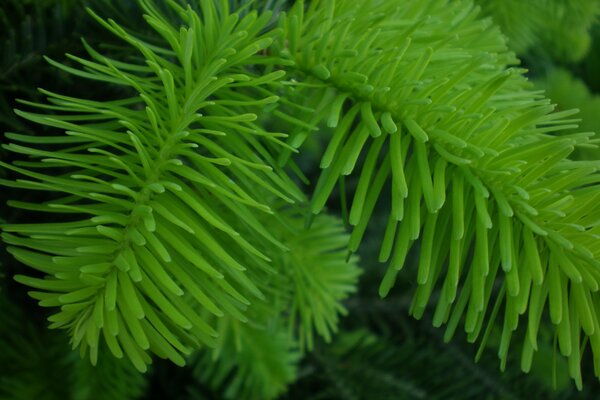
262,199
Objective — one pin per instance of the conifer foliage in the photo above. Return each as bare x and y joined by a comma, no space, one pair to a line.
475,160
174,216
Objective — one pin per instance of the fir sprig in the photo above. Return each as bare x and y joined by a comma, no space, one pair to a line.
429,97
152,241
167,207
36,363
258,358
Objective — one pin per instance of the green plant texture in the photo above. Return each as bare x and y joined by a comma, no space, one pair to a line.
208,183
554,28
569,92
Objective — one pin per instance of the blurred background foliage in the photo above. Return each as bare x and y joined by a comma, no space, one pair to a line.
380,352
